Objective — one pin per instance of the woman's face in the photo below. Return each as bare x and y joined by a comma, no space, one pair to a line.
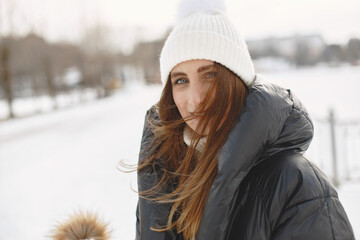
190,82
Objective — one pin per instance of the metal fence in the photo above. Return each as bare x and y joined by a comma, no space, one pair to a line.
336,148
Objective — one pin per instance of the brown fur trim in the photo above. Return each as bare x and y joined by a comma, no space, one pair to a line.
81,226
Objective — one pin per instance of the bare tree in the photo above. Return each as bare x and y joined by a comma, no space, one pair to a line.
98,61
5,74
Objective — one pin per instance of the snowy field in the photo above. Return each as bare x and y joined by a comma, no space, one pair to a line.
55,163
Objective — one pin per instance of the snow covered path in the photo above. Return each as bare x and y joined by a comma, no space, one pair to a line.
56,163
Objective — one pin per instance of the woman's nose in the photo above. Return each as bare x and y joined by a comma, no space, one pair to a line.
195,97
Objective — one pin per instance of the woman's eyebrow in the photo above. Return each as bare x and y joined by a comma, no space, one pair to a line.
203,68
199,70
175,74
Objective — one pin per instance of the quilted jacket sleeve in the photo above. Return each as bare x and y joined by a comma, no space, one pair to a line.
313,210
287,197
322,218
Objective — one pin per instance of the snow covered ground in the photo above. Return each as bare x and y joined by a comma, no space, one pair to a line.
55,163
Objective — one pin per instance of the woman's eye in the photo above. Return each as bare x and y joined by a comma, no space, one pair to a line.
180,81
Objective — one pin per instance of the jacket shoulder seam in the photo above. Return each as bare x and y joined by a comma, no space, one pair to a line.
309,200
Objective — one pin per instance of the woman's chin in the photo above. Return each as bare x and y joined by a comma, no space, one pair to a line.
192,124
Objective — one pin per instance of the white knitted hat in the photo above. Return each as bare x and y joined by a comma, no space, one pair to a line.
207,33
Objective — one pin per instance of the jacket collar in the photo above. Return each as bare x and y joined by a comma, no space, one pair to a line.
272,120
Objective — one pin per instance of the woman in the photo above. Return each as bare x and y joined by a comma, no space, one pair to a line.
221,153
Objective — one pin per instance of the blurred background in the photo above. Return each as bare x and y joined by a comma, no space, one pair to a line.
76,78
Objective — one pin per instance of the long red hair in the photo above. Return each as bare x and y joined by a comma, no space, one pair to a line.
190,175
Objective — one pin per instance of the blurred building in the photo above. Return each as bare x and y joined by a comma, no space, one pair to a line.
301,50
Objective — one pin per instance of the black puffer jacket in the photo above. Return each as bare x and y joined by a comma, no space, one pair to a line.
265,188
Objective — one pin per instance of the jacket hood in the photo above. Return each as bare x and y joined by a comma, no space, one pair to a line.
272,120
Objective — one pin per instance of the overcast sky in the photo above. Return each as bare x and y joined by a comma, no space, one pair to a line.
336,20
